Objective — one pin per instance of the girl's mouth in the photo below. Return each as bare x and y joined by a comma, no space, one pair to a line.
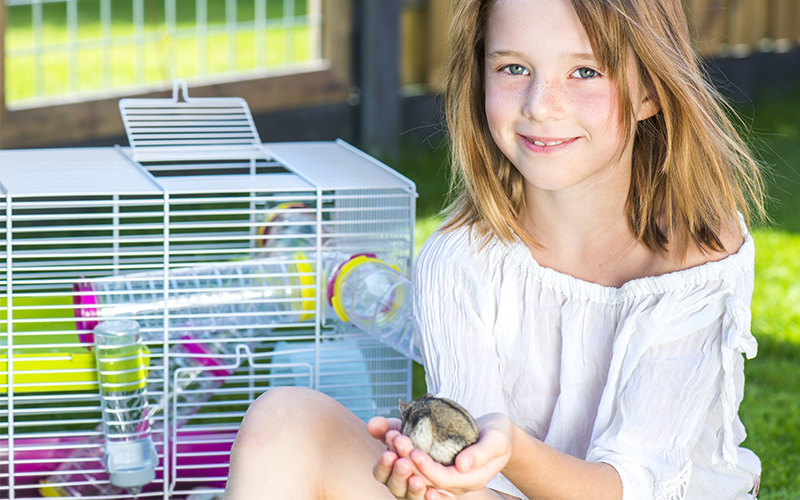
547,144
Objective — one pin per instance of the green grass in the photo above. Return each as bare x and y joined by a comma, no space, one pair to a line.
771,406
158,55
770,410
775,123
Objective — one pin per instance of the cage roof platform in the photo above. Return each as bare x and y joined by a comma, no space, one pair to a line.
98,171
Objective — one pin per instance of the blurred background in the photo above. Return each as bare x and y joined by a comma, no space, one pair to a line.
369,72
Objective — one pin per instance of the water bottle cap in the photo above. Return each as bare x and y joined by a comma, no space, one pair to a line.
131,464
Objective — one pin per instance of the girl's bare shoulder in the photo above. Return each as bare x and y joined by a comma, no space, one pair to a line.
731,238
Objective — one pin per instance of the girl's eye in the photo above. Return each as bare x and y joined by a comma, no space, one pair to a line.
585,73
516,69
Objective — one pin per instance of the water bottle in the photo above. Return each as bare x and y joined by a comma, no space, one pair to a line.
130,456
201,359
122,456
376,298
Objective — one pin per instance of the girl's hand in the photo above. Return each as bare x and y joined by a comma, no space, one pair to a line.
475,466
394,468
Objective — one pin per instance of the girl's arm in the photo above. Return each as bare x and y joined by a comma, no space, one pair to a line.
536,468
558,475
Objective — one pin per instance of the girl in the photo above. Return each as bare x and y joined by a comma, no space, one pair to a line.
588,296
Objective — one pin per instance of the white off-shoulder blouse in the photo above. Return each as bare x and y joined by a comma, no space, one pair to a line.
647,377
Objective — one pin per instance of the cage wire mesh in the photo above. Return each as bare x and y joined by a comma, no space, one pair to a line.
221,249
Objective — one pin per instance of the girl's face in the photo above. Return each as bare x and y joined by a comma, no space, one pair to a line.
550,107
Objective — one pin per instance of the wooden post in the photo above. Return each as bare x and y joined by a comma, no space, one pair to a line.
337,29
709,18
786,21
749,23
379,75
439,23
414,43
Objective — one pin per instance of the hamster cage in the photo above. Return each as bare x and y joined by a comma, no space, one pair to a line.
211,268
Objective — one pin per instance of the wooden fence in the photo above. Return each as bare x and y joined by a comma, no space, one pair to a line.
724,28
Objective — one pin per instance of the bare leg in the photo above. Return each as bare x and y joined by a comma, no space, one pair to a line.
297,444
300,444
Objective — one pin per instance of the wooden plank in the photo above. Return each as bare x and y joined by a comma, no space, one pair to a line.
337,29
414,44
708,20
786,20
438,25
749,23
87,120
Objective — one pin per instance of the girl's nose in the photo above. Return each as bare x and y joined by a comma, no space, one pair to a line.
544,101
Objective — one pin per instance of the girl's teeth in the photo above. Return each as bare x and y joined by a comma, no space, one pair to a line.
539,143
552,143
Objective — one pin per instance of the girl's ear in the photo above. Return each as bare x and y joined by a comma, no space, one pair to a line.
647,107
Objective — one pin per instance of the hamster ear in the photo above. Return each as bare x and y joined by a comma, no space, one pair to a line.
403,408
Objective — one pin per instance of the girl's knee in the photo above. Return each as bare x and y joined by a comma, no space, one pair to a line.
292,404
285,413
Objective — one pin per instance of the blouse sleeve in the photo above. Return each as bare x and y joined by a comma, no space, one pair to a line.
454,321
662,408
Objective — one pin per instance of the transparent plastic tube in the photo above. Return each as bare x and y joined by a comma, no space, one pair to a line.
376,298
213,296
289,225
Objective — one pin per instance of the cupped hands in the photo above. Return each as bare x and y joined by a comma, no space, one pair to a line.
412,474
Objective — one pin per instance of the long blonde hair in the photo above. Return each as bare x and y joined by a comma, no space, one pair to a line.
691,169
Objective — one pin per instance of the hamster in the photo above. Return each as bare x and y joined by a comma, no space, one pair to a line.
439,427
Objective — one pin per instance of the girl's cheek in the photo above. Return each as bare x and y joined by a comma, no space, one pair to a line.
502,101
599,108
597,102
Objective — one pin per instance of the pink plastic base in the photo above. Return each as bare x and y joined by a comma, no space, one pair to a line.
32,466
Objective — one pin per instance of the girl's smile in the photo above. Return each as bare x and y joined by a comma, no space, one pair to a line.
547,144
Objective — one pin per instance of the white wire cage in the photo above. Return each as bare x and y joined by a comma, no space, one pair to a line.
221,249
